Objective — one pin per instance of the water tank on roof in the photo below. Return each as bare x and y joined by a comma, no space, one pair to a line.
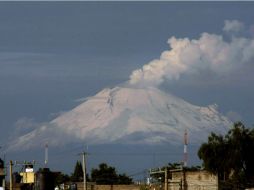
1,163
44,179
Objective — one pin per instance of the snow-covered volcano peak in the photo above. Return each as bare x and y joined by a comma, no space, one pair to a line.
129,115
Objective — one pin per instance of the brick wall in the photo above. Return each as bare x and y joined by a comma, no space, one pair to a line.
193,180
108,187
116,187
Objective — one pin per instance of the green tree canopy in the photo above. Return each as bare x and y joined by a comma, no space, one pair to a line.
107,175
77,175
61,178
230,156
124,179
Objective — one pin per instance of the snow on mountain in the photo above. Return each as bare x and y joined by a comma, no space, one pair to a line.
128,115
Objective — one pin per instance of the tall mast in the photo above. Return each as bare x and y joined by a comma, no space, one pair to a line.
185,153
46,155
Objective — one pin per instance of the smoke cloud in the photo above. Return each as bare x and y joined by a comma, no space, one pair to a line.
233,26
211,52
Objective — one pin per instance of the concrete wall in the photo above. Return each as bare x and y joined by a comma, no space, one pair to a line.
116,187
2,177
198,180
108,187
27,177
1,171
201,179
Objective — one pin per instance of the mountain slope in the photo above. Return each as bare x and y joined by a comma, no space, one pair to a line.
129,116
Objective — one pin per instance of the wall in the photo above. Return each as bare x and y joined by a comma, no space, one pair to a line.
198,180
1,171
1,177
202,179
108,187
116,187
27,177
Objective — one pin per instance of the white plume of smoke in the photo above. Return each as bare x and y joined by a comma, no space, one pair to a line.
210,52
233,26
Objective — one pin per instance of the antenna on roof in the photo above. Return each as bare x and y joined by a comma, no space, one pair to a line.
46,155
185,153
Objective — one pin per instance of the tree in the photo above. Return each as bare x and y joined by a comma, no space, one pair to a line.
214,155
230,156
77,175
61,178
123,179
107,175
241,141
104,174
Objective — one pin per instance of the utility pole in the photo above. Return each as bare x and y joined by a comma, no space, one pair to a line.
160,171
11,164
84,169
46,155
166,178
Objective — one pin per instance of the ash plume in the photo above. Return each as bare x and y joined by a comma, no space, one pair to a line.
211,52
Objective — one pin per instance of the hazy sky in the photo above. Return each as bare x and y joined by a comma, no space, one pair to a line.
53,53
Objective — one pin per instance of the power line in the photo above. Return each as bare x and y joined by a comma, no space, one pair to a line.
138,173
134,154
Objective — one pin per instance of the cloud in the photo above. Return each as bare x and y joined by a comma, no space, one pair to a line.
210,52
39,136
251,30
25,125
57,114
233,26
193,56
29,134
234,116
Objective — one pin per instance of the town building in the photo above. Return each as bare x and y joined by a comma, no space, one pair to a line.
2,175
192,180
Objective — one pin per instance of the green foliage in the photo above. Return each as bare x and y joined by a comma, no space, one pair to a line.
77,175
61,178
192,168
105,175
172,166
215,155
123,179
230,156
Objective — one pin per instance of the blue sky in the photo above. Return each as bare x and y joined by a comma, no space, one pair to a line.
53,53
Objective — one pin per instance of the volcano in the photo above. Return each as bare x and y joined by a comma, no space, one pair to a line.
128,115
